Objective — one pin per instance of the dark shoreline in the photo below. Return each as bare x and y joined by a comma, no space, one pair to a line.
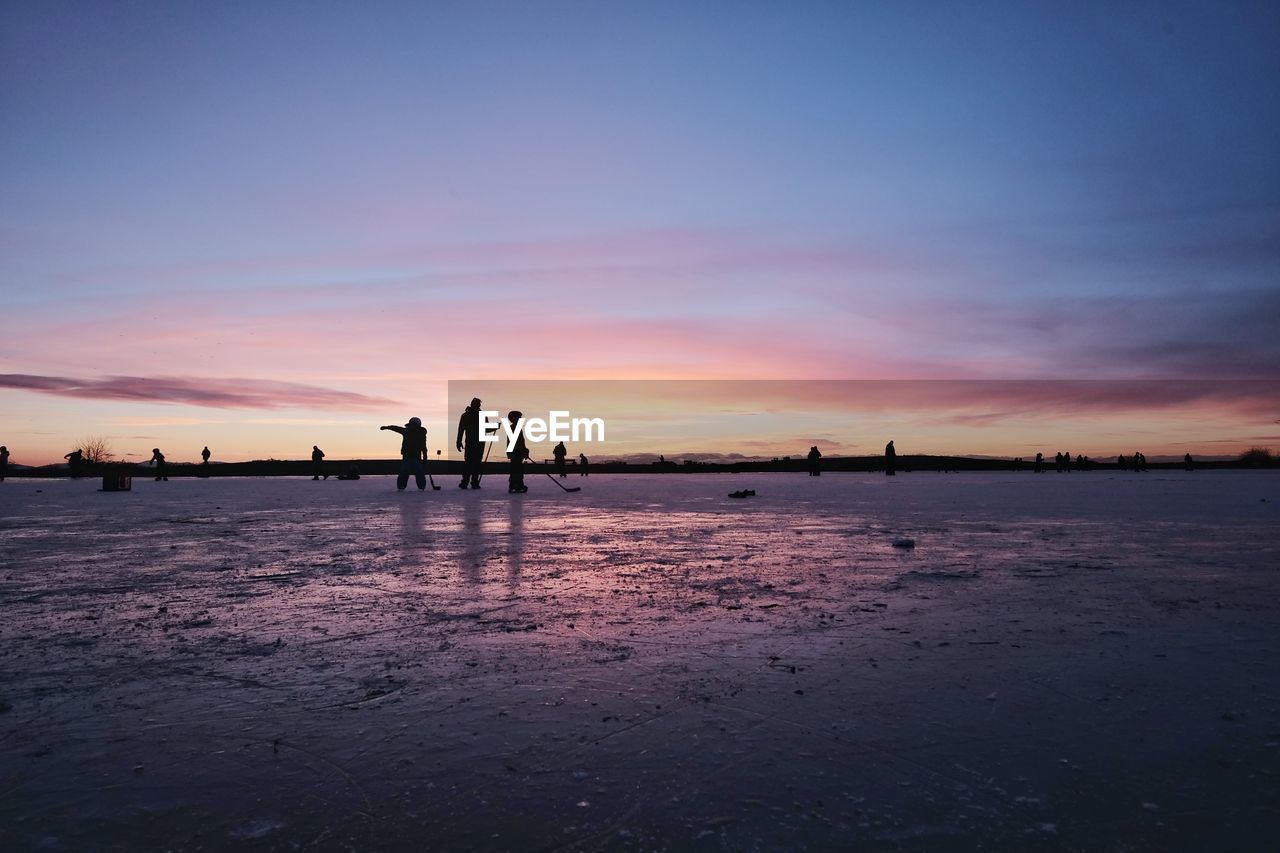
450,467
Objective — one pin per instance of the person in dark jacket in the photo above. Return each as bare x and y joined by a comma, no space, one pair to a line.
560,452
317,463
4,462
815,461
74,460
204,456
158,459
582,465
519,453
890,460
470,445
413,450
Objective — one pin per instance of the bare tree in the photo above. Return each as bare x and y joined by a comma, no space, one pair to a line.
97,449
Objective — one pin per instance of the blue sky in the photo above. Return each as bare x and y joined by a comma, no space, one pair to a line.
373,198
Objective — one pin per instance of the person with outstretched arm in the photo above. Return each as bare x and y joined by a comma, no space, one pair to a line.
519,453
470,445
413,451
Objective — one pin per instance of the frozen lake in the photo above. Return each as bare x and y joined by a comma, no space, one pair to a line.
1082,660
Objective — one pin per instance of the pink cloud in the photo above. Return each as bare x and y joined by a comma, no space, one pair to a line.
214,393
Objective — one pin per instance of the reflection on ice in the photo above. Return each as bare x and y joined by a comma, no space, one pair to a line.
337,660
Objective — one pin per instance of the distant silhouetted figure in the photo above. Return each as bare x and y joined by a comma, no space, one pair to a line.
470,445
4,462
1039,467
353,473
890,460
413,450
1066,462
560,452
582,465
1187,462
1139,461
317,463
1120,463
157,458
519,452
815,461
662,460
204,456
74,460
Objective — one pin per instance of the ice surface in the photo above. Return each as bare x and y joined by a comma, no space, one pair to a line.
1084,661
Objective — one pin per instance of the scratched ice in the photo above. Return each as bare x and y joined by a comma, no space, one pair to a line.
1061,660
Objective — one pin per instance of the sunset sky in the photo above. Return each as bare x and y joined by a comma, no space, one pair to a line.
262,226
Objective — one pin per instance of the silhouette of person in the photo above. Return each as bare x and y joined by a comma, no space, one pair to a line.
1186,461
413,450
662,460
158,459
890,460
1039,466
317,463
582,465
518,454
560,452
74,460
815,461
204,455
4,462
1066,462
470,445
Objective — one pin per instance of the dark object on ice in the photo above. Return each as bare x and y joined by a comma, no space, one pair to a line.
815,461
904,543
317,462
469,444
353,473
413,452
117,483
158,459
890,460
743,493
74,460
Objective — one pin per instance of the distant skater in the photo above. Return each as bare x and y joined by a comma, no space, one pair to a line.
815,461
560,452
1187,462
157,458
1066,462
519,453
317,462
470,445
74,460
4,462
204,455
890,460
1039,465
413,453
582,465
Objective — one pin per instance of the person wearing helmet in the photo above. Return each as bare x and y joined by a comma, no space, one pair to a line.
413,450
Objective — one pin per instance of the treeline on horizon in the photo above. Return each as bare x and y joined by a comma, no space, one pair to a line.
1256,458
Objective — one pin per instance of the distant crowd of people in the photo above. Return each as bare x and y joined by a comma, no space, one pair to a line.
413,457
